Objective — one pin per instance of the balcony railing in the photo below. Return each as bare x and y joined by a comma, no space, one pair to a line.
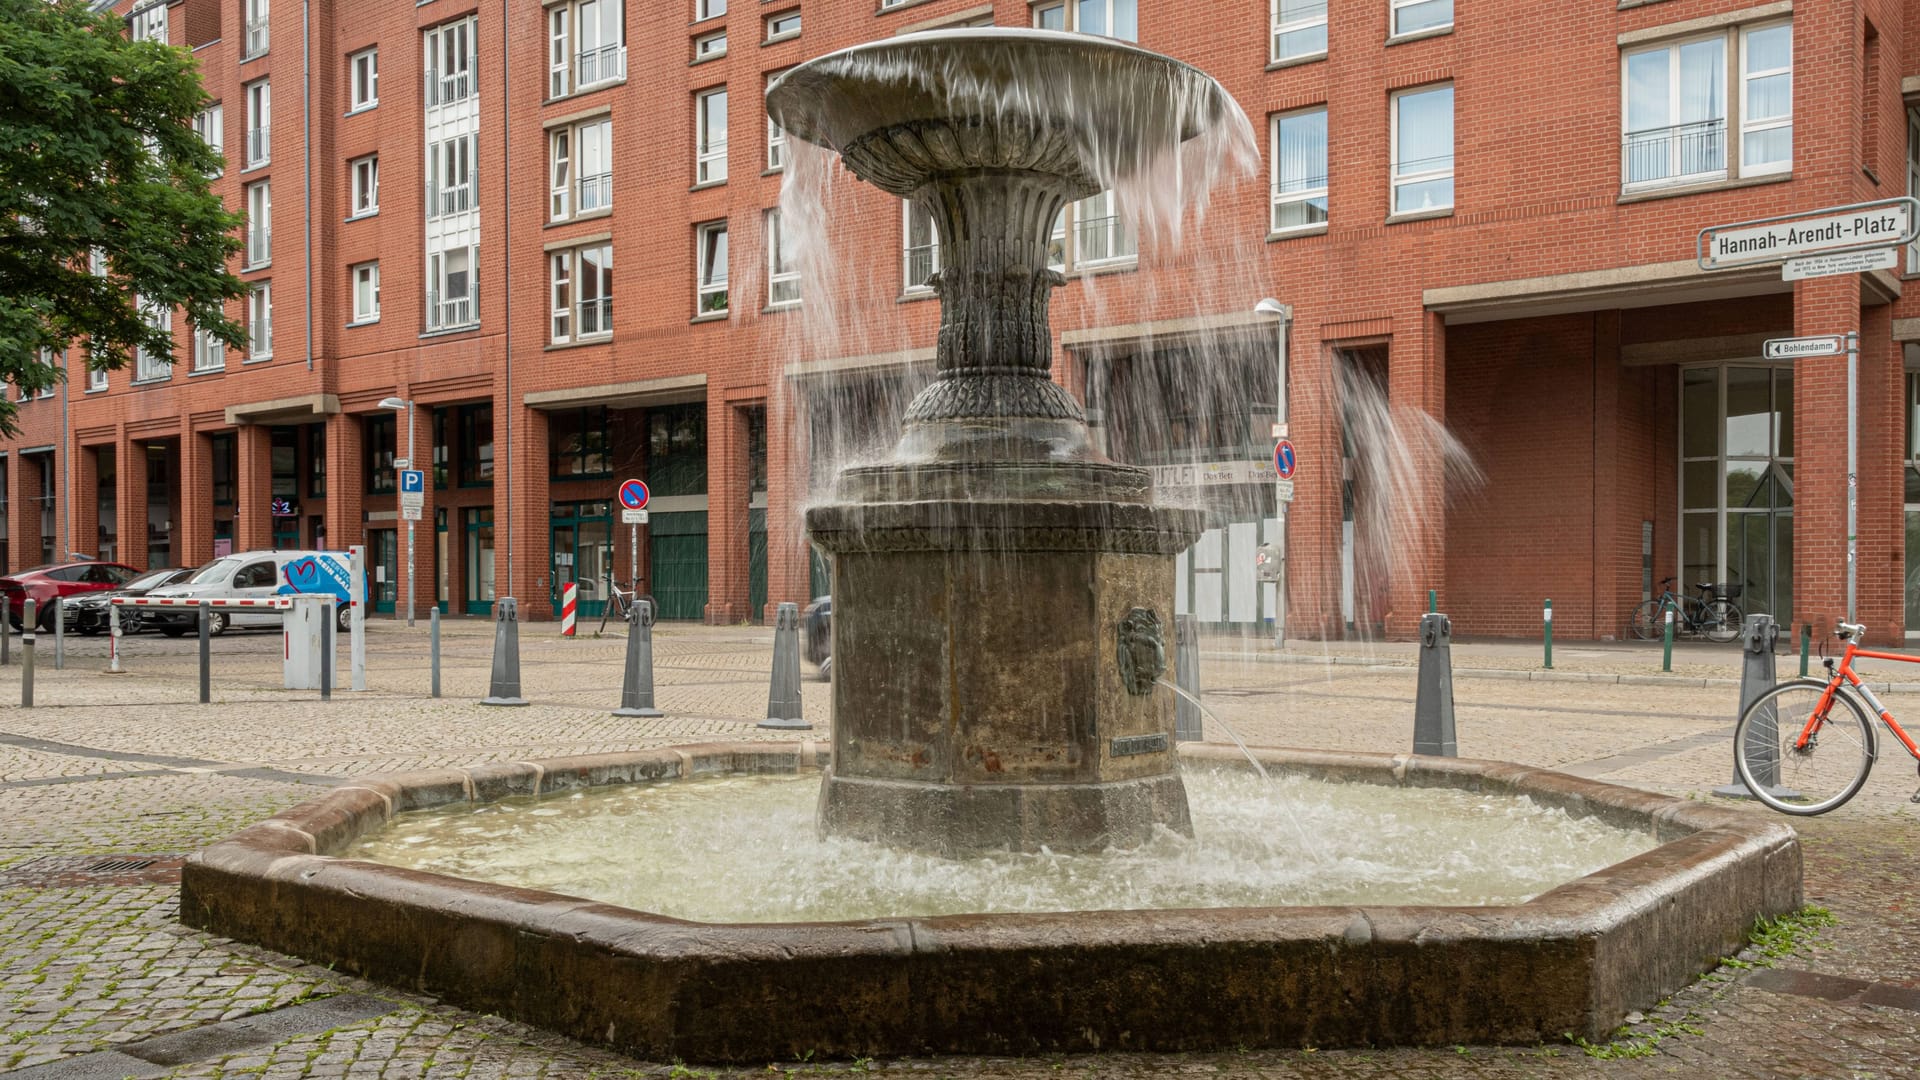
596,192
258,146
600,65
446,89
256,36
454,200
923,260
596,316
454,311
1674,154
712,162
259,245
1101,239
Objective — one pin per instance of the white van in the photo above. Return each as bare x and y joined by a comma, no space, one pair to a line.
258,575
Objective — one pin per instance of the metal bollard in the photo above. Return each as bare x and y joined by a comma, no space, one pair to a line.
326,655
59,633
1806,644
6,645
113,641
783,694
1666,639
1186,676
1433,702
1546,620
1756,678
433,639
206,653
636,689
504,688
1433,601
26,657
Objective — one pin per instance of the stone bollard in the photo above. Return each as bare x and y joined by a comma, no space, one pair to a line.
783,696
505,686
636,689
1756,678
1433,702
26,657
1186,675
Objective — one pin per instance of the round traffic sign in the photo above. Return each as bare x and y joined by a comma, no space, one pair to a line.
634,494
1283,460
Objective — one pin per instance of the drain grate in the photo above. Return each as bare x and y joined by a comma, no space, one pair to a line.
71,871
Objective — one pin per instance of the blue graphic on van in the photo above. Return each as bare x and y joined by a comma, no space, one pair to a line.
317,575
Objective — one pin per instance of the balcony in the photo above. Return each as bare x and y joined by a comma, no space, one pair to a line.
257,146
1682,153
260,245
447,89
596,192
922,262
596,317
454,200
449,313
256,42
600,65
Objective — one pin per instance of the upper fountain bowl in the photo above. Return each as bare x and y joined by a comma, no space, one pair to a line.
909,109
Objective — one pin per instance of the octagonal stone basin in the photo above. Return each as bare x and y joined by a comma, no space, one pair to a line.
1575,959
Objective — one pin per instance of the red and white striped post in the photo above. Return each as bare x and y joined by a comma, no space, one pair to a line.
569,607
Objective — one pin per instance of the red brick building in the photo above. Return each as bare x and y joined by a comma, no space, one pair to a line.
1487,211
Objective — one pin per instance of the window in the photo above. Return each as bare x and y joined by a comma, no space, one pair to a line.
1423,150
1913,190
260,321
96,379
783,276
209,352
1299,29
580,442
1414,16
317,460
378,433
364,179
150,23
256,29
148,364
210,125
582,290
586,45
363,78
450,63
921,247
783,25
259,116
476,445
450,288
776,146
710,124
1299,170
711,241
1676,113
366,292
708,9
1108,18
1100,235
220,455
710,46
1766,99
450,176
581,171
259,224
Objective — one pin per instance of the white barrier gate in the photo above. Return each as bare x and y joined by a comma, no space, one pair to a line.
302,628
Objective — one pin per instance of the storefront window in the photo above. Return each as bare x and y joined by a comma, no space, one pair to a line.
1736,483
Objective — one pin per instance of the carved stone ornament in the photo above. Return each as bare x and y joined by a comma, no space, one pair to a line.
1143,651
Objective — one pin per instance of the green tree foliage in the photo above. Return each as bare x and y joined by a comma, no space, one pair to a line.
98,152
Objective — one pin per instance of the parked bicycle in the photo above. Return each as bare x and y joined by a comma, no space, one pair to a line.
1806,746
1713,614
619,605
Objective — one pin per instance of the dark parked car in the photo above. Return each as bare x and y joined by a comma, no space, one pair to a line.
42,583
816,635
90,614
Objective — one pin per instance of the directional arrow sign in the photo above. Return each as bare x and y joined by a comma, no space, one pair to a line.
1792,348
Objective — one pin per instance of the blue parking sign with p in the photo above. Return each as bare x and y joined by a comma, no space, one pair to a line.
413,480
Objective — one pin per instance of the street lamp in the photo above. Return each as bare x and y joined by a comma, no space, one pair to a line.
406,405
1274,309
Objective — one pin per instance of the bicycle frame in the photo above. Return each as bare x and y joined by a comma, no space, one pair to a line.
1845,671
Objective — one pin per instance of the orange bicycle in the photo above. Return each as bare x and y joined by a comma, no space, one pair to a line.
1806,746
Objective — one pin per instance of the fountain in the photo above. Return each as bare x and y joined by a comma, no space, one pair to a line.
968,732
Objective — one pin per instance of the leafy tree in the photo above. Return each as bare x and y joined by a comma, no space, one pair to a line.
98,153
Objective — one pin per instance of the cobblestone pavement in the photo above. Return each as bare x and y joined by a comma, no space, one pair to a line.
112,771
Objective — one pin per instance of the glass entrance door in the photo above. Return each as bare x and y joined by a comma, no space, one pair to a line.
383,550
1912,475
479,528
1736,484
582,551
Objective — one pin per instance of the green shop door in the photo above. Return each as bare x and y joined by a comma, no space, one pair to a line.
756,564
383,556
679,563
479,529
581,552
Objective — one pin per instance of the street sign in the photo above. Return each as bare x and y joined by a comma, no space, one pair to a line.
1852,262
1881,224
410,511
1284,461
413,481
634,495
1285,488
402,463
633,517
1791,348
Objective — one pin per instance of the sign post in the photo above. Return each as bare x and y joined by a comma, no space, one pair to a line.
634,497
413,497
1285,464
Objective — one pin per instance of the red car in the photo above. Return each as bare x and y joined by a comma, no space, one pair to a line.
42,583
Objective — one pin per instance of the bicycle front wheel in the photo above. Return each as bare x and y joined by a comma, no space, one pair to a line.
1647,620
1803,779
1721,620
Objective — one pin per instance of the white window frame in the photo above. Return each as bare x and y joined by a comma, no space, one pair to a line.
146,366
708,9
771,21
260,321
96,379
606,62
209,352
1397,179
1773,123
365,280
446,311
450,176
1070,16
567,287
363,79
363,186
569,188
210,124
776,146
560,297
1296,24
1672,47
710,46
451,64
707,285
149,23
259,224
560,174
1298,195
930,251
1121,245
254,28
1399,6
710,156
1913,190
259,95
783,275
560,51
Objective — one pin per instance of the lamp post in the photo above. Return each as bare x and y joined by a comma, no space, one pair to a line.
398,405
1283,316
